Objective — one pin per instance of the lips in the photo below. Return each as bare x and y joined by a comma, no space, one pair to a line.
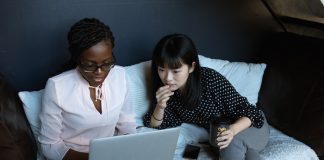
170,84
98,79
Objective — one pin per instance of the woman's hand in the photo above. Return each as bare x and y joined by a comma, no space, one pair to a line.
225,138
163,95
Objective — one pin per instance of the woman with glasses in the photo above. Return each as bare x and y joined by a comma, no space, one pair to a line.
91,100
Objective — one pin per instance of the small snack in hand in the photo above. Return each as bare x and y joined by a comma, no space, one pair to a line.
220,130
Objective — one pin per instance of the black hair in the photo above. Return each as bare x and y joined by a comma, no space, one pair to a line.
83,35
12,115
174,50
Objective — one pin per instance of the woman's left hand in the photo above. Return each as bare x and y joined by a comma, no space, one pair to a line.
225,138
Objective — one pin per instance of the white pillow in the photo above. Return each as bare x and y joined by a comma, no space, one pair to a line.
245,77
138,77
32,103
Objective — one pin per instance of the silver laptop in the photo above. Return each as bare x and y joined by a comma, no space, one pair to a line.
155,145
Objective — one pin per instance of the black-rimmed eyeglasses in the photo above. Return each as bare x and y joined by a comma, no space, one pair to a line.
94,67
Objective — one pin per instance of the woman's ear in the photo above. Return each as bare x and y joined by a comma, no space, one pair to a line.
192,68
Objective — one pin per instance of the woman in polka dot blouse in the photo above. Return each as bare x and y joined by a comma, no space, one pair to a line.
185,92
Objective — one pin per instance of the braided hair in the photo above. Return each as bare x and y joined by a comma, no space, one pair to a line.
83,35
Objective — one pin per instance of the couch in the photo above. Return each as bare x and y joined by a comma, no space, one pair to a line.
245,77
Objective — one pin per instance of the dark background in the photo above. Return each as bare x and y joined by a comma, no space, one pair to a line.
33,33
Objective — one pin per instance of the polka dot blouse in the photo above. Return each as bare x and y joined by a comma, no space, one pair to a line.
218,97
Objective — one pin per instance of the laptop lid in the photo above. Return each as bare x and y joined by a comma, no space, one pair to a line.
155,145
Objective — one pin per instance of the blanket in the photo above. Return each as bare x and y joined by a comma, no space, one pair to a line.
279,147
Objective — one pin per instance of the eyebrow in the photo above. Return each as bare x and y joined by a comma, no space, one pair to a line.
111,60
170,68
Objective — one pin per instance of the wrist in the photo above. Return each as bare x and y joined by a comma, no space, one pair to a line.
159,107
231,128
158,114
157,119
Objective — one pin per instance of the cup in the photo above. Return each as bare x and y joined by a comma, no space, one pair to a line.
217,125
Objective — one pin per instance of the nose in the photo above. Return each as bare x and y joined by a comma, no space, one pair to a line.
98,71
169,76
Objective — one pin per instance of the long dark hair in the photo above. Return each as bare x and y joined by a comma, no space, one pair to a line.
174,50
83,35
14,118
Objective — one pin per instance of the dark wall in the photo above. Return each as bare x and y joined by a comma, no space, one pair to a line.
292,90
33,41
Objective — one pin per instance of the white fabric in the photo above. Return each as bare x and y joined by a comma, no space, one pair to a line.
70,120
98,92
283,147
280,146
32,102
245,77
138,77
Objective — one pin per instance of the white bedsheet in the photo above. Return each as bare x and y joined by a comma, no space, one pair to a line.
279,147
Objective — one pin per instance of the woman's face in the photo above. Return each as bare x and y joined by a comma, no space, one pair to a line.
96,62
175,78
